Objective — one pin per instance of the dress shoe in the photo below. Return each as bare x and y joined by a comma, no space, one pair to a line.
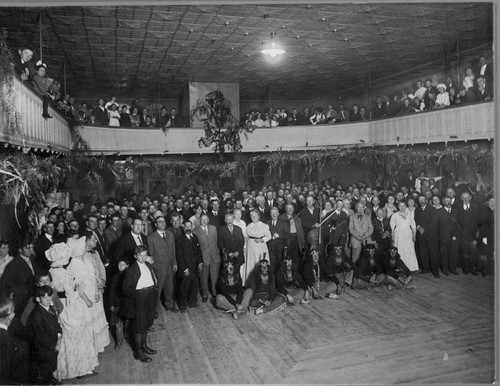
140,356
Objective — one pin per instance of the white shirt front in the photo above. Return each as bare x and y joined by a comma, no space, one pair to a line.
146,279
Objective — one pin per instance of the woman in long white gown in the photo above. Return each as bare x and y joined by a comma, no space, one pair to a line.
258,235
403,233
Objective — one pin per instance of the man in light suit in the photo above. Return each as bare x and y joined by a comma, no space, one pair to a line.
162,249
361,229
207,237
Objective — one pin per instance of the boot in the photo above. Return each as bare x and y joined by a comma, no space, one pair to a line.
138,352
145,348
126,329
119,336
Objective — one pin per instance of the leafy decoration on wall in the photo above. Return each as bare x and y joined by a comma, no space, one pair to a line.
8,109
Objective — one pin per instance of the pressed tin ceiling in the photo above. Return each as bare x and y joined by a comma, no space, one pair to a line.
153,51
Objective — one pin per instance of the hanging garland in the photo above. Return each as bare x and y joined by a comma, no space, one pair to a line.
7,91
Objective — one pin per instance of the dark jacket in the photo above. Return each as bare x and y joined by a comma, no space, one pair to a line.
232,242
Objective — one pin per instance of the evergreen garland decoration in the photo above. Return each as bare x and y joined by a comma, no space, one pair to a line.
7,91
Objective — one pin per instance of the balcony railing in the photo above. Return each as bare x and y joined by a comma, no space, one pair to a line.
470,122
35,132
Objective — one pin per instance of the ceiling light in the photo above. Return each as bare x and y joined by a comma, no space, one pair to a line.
273,51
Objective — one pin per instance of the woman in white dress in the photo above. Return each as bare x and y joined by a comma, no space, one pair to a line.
114,116
77,354
403,233
258,235
411,207
99,323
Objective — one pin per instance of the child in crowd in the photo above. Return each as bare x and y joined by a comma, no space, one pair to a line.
115,301
45,334
42,86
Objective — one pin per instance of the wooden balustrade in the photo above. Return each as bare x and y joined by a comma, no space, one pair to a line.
35,131
470,122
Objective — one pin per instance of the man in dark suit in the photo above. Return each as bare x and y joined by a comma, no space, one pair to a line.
18,278
296,242
485,69
140,287
207,237
14,353
427,221
379,110
231,242
381,234
127,244
269,203
339,225
175,120
23,65
279,237
469,218
44,242
175,228
112,234
91,226
189,263
99,232
45,333
215,216
309,216
448,236
162,248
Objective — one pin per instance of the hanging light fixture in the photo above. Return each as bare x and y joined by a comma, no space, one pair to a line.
273,51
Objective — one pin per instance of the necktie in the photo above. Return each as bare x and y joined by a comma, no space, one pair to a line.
139,239
206,230
163,236
360,217
52,310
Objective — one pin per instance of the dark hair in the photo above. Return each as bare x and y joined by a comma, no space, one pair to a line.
42,291
43,274
139,249
3,242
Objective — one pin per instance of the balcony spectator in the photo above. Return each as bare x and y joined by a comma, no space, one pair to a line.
111,103
330,114
64,105
450,83
420,90
454,97
431,100
282,116
135,103
42,85
23,65
429,89
418,104
294,119
175,120
407,107
443,98
318,117
101,113
304,120
379,109
163,119
392,105
258,121
82,116
135,119
356,114
343,114
468,81
485,69
125,117
365,115
149,122
93,121
114,115
483,90
144,115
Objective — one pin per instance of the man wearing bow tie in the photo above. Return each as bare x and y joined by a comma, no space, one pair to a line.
140,287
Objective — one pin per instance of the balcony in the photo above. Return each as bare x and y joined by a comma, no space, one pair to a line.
35,132
471,122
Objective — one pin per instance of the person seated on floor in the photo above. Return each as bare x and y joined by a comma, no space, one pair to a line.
397,274
290,284
265,298
315,278
368,272
338,268
231,296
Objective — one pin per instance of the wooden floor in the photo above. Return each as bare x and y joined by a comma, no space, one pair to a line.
440,332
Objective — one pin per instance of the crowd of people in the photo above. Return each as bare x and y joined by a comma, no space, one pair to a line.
476,86
104,267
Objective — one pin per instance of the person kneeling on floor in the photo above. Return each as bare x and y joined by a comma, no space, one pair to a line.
290,284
